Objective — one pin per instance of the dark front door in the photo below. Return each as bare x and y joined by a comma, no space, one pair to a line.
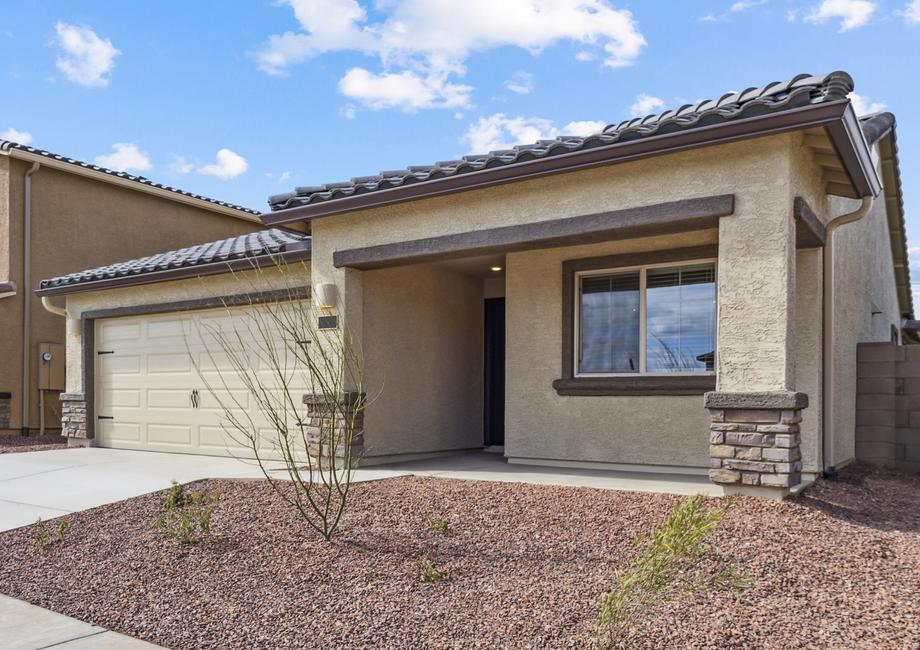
494,425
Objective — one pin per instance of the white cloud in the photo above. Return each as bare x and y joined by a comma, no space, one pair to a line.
864,106
911,12
22,137
87,59
124,157
584,55
283,177
421,44
744,5
348,112
229,165
522,83
852,13
499,131
180,165
406,90
645,105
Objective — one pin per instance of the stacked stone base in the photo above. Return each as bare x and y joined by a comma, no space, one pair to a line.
73,416
327,427
754,438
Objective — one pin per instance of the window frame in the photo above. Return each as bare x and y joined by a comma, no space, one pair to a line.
643,313
622,385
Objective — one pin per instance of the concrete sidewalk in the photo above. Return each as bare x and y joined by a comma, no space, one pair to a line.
28,627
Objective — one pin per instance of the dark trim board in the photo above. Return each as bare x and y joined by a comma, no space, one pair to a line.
569,384
88,325
646,385
663,218
841,125
809,231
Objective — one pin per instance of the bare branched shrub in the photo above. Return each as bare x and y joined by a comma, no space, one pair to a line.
273,352
665,567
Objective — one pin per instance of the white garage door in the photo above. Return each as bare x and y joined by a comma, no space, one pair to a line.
149,394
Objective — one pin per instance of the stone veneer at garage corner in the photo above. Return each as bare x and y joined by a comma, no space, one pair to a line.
326,422
754,438
73,416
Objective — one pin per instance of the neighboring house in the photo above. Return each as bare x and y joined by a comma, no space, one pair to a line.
648,298
59,215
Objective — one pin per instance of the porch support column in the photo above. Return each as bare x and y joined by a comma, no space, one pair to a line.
755,410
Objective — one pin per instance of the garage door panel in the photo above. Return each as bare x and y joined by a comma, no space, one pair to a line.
172,328
120,397
169,434
112,331
217,399
120,432
165,398
165,362
122,364
216,438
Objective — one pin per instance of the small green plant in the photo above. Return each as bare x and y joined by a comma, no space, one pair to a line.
186,515
427,571
63,525
42,539
670,555
438,526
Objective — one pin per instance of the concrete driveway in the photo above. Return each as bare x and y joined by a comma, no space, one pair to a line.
50,484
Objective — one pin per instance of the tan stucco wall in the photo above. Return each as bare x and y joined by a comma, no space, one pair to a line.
423,345
80,223
864,280
539,423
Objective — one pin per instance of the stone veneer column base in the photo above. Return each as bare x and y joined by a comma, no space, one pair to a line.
5,399
319,427
754,439
73,415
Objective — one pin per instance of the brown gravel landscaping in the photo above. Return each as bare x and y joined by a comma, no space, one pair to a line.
525,568
19,444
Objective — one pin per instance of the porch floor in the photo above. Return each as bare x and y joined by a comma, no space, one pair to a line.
484,466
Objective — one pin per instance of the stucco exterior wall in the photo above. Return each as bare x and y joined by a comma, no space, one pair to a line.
866,308
423,360
542,425
80,223
294,275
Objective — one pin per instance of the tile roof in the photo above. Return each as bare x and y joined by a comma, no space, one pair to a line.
252,245
801,90
6,145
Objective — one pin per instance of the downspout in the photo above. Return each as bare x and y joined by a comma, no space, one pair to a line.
26,298
829,341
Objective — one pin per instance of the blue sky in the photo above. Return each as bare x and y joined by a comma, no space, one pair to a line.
242,100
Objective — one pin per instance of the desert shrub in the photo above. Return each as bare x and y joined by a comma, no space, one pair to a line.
42,538
186,515
427,571
63,525
438,526
666,566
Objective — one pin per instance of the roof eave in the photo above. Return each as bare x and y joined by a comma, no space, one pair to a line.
180,273
127,183
837,117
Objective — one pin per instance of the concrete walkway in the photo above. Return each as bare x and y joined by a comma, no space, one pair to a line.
28,627
482,466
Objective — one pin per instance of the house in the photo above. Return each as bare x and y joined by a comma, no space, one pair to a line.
59,215
679,294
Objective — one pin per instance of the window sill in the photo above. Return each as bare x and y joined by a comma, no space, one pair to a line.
648,385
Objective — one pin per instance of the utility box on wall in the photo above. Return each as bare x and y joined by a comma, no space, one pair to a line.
51,366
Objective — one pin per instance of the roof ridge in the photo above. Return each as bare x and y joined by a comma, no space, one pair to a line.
800,90
6,145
